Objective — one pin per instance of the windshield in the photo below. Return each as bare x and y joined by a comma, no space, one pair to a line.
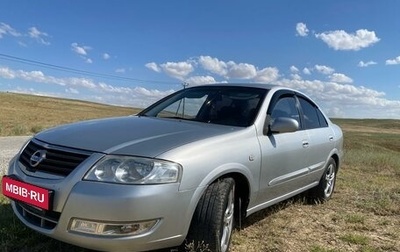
234,106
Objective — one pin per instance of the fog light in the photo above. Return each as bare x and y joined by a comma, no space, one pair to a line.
117,228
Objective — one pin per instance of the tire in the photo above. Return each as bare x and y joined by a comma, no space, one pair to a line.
213,220
324,190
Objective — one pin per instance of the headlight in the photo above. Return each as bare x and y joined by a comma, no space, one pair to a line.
134,170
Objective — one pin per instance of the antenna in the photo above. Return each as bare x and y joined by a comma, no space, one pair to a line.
185,84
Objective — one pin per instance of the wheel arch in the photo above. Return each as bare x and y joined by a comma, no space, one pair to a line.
242,195
337,161
243,180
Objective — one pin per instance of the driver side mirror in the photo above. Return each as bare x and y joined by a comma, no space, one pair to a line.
284,125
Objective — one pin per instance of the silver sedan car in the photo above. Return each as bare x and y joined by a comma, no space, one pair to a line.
185,170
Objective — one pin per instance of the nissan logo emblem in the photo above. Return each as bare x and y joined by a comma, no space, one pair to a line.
37,157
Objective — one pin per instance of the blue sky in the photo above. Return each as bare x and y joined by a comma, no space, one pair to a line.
343,54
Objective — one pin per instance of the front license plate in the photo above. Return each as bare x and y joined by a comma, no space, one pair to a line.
27,193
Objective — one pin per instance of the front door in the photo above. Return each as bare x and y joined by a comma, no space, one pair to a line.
284,156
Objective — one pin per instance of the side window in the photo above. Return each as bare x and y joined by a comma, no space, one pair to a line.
322,119
311,119
285,107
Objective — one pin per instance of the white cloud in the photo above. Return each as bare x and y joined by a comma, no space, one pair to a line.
72,91
138,97
151,93
306,71
213,65
241,70
81,50
7,73
295,76
80,82
267,75
324,69
106,56
227,70
341,40
334,112
341,78
33,33
40,77
6,29
366,64
153,66
36,76
39,36
178,70
394,61
200,80
294,69
98,91
112,89
301,29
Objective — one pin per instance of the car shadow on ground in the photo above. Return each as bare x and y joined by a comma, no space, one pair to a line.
269,211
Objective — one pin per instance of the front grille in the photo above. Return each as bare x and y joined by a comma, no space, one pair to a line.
38,217
59,161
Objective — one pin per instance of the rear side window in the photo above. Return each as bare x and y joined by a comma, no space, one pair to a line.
313,117
322,119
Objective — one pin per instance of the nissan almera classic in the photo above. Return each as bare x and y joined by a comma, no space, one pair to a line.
186,169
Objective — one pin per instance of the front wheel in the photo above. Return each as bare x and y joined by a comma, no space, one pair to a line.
324,190
213,219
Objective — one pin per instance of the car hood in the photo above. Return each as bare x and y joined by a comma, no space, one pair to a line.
131,135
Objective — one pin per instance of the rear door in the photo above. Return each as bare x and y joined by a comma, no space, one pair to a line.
320,137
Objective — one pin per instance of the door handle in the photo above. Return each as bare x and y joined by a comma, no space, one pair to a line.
305,144
331,138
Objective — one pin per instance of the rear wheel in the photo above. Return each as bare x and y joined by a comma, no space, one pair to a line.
326,186
213,220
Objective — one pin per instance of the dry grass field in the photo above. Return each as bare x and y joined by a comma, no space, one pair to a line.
363,215
26,114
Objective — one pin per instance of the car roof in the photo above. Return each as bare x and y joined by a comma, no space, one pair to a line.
269,87
253,85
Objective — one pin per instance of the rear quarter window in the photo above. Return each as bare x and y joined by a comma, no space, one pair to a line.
312,116
322,120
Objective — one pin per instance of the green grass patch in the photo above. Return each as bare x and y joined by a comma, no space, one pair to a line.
355,239
355,218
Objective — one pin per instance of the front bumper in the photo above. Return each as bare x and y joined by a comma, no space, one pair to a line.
112,203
